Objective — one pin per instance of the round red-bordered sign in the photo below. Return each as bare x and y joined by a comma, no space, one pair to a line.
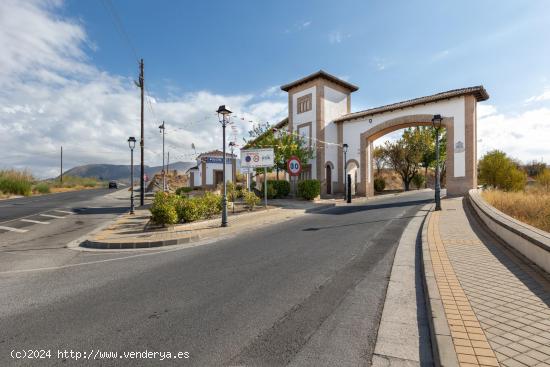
294,166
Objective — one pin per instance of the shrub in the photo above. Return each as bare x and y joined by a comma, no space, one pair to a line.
232,193
271,191
543,179
309,189
163,209
42,188
190,210
212,204
282,188
418,180
15,182
379,184
183,190
501,172
250,199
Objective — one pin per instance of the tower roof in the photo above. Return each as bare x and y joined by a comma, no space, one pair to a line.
320,74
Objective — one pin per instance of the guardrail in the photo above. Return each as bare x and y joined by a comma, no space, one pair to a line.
531,242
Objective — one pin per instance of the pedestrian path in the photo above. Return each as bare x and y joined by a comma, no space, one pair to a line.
496,306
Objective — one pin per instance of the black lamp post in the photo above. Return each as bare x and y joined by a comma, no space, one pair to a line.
132,145
436,122
223,117
345,150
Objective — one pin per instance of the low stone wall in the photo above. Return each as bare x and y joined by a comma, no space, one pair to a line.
531,242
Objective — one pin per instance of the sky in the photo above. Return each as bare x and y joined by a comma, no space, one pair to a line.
68,67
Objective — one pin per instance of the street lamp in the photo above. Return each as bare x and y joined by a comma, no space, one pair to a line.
223,117
345,150
162,129
436,122
132,145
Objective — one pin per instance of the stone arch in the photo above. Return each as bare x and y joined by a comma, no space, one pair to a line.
366,185
328,184
352,167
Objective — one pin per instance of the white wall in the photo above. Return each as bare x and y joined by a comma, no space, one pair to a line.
309,116
336,105
210,168
449,108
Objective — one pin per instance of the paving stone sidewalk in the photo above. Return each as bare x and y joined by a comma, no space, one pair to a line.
497,307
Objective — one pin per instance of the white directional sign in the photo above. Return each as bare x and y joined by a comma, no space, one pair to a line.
257,158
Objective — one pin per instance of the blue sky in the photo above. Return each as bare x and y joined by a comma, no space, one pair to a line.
201,53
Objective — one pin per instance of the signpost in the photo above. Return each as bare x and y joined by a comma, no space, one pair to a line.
294,168
258,158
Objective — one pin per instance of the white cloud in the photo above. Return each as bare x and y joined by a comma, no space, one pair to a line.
51,95
522,135
544,96
441,55
337,37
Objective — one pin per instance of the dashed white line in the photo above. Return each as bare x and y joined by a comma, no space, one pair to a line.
11,229
51,216
63,211
34,221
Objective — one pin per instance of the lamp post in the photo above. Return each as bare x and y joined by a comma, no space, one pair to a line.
162,129
436,122
223,117
345,150
132,145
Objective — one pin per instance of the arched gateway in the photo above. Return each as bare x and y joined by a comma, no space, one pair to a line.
319,109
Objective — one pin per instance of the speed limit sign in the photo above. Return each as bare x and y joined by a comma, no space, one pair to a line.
294,166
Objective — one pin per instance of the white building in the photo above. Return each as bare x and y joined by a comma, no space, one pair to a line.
319,109
208,172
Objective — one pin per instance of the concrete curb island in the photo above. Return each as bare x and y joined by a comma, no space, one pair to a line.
529,241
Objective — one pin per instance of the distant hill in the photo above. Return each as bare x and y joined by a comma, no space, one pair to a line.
121,172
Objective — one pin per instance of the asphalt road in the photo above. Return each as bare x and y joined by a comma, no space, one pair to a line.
306,292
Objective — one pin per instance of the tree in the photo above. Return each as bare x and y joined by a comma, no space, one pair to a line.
543,179
534,168
284,145
501,172
405,155
379,159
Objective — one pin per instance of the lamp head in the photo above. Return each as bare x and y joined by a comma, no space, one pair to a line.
222,110
436,121
132,142
345,148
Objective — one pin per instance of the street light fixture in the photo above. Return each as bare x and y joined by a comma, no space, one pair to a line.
132,145
223,117
162,129
345,150
437,122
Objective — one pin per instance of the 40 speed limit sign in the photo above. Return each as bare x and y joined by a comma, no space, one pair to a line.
294,166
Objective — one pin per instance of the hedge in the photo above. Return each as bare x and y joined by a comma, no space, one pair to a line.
282,188
171,209
379,184
309,189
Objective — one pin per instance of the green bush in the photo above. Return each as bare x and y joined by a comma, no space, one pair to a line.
250,199
15,182
271,191
418,180
163,210
501,172
232,192
212,204
42,188
379,184
309,189
190,210
183,190
281,187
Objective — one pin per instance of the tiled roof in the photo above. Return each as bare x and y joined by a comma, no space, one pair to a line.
478,92
320,74
215,153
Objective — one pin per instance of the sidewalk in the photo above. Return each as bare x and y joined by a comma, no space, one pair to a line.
497,308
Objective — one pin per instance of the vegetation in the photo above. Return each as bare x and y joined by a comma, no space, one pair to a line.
309,189
379,158
181,191
418,180
42,188
379,184
279,189
543,180
530,206
501,172
171,208
250,199
163,209
70,182
271,190
534,168
15,182
284,145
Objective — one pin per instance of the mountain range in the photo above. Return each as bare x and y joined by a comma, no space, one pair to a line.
122,172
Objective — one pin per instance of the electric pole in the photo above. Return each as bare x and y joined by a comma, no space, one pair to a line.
163,130
142,139
61,176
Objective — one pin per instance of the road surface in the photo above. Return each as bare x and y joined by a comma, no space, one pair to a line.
305,292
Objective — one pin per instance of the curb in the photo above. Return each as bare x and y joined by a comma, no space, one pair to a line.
443,349
138,245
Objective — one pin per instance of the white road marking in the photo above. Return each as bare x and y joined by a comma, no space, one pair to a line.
51,216
11,229
34,221
63,211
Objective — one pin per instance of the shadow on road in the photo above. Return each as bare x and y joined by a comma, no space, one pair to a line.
338,210
112,210
359,223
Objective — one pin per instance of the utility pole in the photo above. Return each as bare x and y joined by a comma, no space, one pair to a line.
61,176
163,130
168,163
142,139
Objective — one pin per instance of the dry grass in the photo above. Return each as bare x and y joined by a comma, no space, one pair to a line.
531,207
